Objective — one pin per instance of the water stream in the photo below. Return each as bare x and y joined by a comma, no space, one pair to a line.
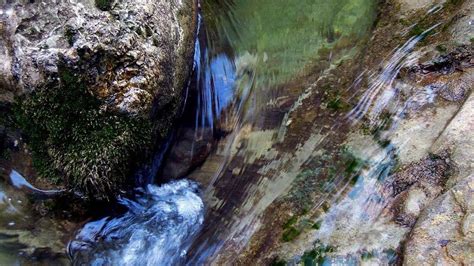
244,53
249,140
157,229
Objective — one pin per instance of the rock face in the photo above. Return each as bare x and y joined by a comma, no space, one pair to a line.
419,83
457,137
129,55
98,83
444,233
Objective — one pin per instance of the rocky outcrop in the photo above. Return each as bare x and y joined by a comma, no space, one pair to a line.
433,190
95,85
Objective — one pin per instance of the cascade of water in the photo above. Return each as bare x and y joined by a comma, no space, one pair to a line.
356,217
221,92
382,90
215,78
161,222
156,230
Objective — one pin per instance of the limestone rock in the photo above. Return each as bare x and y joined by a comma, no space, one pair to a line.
129,56
444,233
458,138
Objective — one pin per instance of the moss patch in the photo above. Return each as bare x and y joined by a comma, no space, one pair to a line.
290,234
76,143
290,222
69,34
317,225
104,5
317,255
278,262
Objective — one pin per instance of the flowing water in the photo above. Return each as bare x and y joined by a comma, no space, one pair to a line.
156,229
249,140
244,49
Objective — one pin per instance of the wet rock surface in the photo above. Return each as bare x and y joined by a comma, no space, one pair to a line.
308,180
410,98
108,75
417,197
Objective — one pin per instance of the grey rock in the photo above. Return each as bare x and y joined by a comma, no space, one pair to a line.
129,55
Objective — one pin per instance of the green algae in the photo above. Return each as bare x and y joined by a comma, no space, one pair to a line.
290,222
316,225
278,262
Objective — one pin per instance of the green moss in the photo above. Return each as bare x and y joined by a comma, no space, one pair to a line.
335,104
278,262
317,225
290,234
352,163
76,143
334,100
417,30
69,34
290,222
104,5
305,211
354,179
441,48
317,255
454,2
